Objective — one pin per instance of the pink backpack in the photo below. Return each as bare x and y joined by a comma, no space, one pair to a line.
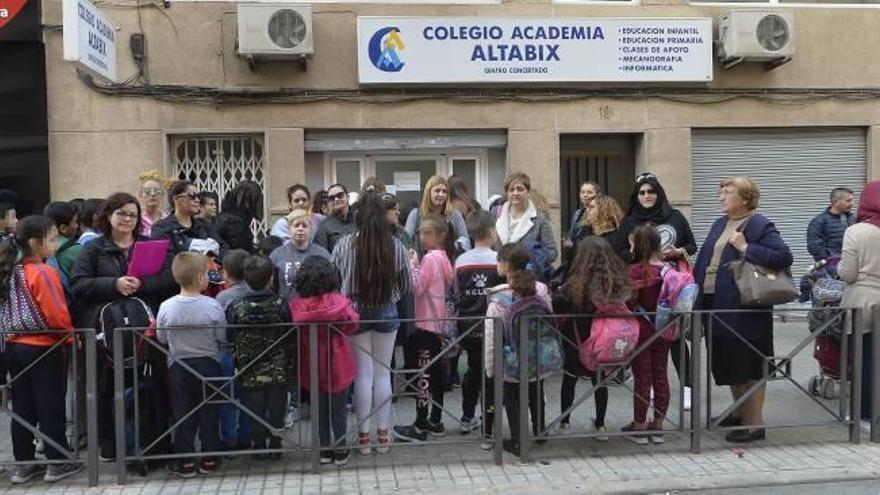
613,338
677,295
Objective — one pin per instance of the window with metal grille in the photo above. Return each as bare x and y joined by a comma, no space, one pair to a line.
218,162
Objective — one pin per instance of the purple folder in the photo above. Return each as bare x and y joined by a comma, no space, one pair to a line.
147,258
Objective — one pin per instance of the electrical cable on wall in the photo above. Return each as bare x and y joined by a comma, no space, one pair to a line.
237,96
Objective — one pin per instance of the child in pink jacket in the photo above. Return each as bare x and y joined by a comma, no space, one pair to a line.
432,280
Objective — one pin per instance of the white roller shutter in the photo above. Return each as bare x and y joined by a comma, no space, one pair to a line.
795,169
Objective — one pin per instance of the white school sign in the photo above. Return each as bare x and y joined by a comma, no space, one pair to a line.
424,50
89,38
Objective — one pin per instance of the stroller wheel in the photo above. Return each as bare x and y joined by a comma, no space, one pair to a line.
829,389
813,386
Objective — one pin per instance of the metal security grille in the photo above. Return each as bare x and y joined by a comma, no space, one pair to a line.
217,163
795,169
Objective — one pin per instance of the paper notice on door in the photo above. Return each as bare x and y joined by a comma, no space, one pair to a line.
391,189
408,181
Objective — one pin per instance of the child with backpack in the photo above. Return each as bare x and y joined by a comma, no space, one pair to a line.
432,280
318,284
597,279
196,344
522,295
31,302
649,367
265,382
475,272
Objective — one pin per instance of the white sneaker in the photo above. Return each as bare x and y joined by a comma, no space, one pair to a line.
487,445
865,426
600,429
687,399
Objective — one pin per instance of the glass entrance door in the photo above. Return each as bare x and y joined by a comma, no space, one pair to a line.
406,177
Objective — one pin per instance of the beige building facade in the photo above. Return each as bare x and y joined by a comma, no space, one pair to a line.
817,117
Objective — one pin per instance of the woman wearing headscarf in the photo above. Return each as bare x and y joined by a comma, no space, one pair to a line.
648,204
860,268
240,206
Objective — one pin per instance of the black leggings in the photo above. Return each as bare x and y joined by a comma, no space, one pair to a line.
569,383
677,361
536,407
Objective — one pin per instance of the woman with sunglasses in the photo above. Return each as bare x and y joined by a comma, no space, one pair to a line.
100,276
152,193
183,228
648,205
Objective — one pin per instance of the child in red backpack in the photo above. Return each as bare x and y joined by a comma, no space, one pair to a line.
319,300
649,367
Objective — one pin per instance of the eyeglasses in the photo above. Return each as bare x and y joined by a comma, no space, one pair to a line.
338,196
644,177
191,195
125,214
647,192
152,191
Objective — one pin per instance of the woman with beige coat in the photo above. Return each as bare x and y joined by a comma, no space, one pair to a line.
860,269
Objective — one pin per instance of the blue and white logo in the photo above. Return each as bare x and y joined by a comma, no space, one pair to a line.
384,49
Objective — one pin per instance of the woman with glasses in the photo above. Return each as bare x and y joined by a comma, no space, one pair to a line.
299,198
648,204
183,228
436,200
100,277
152,195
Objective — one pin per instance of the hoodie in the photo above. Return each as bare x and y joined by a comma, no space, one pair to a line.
432,281
336,364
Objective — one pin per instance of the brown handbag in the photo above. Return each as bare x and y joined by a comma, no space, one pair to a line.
759,285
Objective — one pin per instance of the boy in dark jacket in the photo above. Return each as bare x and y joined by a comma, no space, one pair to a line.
264,382
475,271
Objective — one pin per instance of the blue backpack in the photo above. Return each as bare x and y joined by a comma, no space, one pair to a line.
55,262
543,340
540,263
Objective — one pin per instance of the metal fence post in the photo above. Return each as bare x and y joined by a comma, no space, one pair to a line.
696,383
91,408
314,397
119,407
498,389
856,393
710,323
523,418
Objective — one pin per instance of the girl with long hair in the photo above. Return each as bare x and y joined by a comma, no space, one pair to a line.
34,359
436,200
240,206
521,282
598,277
649,366
375,275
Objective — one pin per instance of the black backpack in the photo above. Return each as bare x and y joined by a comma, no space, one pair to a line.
130,312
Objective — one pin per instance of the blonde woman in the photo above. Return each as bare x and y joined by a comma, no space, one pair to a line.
153,189
436,200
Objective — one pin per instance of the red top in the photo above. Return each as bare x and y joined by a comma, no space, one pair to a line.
46,289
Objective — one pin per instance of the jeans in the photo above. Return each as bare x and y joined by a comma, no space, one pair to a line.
235,427
38,397
186,395
269,404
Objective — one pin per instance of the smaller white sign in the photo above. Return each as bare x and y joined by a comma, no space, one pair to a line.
89,38
408,181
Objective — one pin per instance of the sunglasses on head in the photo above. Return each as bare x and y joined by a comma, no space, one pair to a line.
338,196
644,177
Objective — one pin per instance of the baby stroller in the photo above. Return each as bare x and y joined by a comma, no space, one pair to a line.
826,292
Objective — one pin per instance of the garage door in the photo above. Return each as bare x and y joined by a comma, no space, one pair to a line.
795,169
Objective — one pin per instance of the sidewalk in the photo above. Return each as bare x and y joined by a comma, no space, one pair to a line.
792,455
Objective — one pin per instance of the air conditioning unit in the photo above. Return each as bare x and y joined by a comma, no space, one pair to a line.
755,36
275,31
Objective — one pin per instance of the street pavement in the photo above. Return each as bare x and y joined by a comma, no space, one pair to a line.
816,459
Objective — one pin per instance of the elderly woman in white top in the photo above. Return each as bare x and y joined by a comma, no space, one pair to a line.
520,222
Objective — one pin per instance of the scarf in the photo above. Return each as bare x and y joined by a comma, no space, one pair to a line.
869,204
657,214
525,224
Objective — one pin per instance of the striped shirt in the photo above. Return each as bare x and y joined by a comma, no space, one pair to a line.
344,258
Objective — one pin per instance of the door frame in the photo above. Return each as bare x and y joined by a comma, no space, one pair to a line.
444,159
